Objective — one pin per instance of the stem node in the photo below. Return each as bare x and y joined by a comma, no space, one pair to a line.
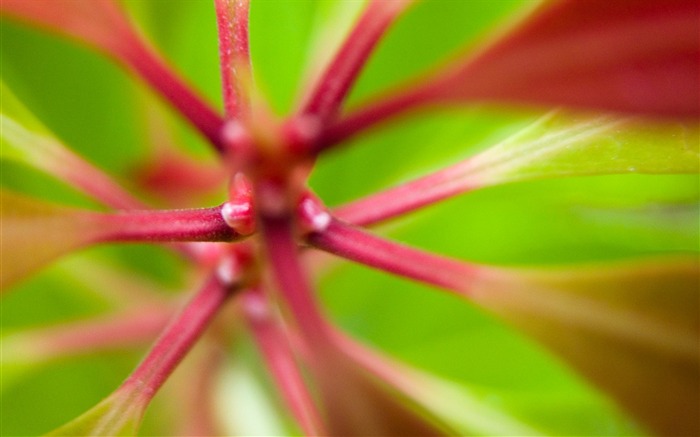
312,216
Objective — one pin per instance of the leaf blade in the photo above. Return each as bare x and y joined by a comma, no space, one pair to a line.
35,233
576,145
559,144
632,329
593,54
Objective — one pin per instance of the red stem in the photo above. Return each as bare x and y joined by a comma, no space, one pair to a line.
146,63
326,98
357,245
177,339
101,187
128,329
205,224
409,196
379,110
104,24
232,20
282,252
277,352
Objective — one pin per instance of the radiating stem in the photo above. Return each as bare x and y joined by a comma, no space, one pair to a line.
282,253
154,70
357,245
333,86
177,339
102,187
234,55
281,363
379,110
103,24
409,196
127,329
50,155
205,224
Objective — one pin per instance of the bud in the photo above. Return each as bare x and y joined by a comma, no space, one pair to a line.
312,215
239,213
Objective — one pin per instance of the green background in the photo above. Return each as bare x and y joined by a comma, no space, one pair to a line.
98,110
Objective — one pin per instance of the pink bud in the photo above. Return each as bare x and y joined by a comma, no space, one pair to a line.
313,216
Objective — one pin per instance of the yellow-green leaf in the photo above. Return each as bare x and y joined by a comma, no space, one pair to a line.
24,139
35,233
447,400
117,415
632,328
564,144
560,144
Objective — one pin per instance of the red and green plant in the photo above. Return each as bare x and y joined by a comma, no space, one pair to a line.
600,95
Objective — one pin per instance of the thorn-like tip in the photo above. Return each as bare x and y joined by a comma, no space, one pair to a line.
312,215
239,216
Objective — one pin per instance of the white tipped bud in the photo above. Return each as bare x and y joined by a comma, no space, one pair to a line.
239,216
232,213
313,216
321,221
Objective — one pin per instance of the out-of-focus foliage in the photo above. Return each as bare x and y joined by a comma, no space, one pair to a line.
98,111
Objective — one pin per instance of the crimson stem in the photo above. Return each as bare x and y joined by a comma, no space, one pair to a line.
202,224
127,329
408,197
97,184
327,96
177,339
379,110
158,74
357,245
234,54
277,353
282,253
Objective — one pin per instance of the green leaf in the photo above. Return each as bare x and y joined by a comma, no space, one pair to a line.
90,104
508,372
96,22
653,227
633,329
427,142
117,415
279,60
35,233
24,138
558,145
562,144
429,33
562,221
453,403
12,107
108,130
